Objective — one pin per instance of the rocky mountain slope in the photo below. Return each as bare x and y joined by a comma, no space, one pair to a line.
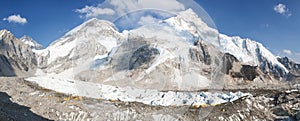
16,58
293,67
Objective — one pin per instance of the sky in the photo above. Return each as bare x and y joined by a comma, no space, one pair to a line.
274,23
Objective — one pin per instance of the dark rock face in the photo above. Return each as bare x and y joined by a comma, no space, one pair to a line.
268,68
293,67
247,72
6,68
142,57
201,55
228,60
16,57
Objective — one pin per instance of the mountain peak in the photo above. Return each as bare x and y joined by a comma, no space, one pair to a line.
31,42
92,23
189,21
5,32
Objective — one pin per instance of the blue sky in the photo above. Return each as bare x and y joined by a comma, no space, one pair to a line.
278,29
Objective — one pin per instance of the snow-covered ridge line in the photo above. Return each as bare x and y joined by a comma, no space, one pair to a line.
248,51
245,50
131,94
90,31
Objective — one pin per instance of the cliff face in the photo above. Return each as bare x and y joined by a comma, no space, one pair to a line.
293,67
16,58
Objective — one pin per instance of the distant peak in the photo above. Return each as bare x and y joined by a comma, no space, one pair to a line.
5,32
26,37
31,42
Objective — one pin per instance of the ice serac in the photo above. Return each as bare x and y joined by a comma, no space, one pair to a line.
16,58
81,47
31,42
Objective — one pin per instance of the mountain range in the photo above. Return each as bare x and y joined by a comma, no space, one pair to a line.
179,53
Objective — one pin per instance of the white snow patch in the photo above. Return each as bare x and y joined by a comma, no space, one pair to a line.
108,42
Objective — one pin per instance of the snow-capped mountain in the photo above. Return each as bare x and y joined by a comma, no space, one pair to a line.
16,58
252,53
31,42
183,47
148,63
247,51
83,46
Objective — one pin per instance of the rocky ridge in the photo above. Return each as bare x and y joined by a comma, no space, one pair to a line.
17,58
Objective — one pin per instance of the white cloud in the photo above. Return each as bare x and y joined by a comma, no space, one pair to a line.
91,11
147,20
132,5
118,8
282,9
15,19
288,52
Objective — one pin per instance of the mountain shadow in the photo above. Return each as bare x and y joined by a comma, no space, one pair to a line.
10,111
6,68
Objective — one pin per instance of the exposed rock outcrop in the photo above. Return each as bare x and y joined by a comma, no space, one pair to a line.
294,68
17,58
201,54
142,56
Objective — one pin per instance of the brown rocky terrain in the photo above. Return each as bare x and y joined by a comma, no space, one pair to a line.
23,100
